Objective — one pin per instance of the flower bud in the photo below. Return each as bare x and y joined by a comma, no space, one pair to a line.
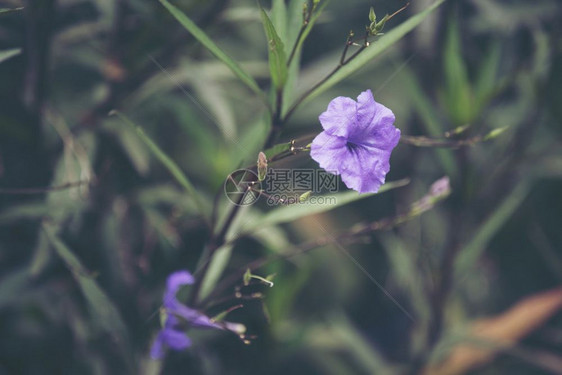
372,15
262,166
304,196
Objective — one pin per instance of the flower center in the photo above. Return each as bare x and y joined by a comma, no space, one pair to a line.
352,147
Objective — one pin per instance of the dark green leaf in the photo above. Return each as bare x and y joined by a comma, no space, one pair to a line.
165,159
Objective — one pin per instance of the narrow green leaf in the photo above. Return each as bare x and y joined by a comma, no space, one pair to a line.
41,255
276,51
279,18
430,120
10,10
101,307
27,211
287,214
470,254
458,95
376,48
220,260
358,347
9,53
200,35
165,159
486,82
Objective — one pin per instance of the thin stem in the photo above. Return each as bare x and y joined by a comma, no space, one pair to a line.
276,120
398,11
354,235
294,50
305,22
310,91
421,141
214,244
340,65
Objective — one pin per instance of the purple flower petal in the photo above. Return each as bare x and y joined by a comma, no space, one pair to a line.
175,281
193,317
328,150
339,116
366,108
176,340
169,338
179,317
356,143
157,348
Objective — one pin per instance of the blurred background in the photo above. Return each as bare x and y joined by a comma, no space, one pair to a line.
487,261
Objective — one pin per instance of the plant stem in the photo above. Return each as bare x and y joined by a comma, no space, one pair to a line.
340,65
276,120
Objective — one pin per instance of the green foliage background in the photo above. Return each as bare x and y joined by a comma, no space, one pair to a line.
82,268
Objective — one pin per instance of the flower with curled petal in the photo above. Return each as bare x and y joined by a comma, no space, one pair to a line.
357,141
179,317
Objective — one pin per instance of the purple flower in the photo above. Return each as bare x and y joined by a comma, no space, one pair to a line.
357,141
178,316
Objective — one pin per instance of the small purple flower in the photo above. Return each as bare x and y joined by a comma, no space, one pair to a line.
178,316
357,141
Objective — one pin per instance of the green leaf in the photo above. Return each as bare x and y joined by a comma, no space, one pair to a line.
430,120
376,48
165,159
9,53
276,50
200,35
279,18
486,83
131,145
27,211
41,255
10,10
458,95
102,308
339,335
470,254
372,15
219,261
287,214
277,149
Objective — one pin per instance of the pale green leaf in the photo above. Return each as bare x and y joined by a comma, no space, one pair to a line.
289,213
9,53
276,52
219,261
10,10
